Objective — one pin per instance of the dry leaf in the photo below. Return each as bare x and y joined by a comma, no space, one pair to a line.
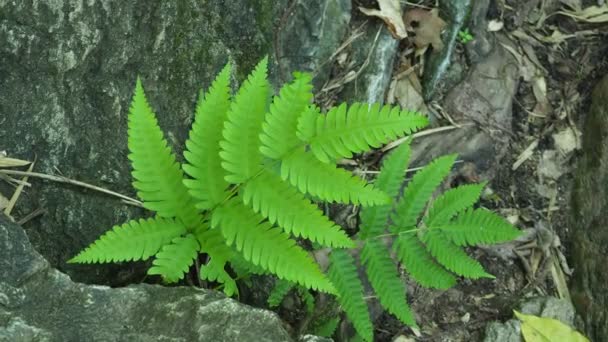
591,14
539,88
427,27
540,329
390,12
10,162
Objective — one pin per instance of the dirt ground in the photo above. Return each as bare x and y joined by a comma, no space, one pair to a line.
532,180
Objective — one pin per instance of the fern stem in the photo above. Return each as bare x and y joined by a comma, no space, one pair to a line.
396,234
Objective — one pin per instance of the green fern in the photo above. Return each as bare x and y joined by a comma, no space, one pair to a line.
343,274
250,177
427,245
278,293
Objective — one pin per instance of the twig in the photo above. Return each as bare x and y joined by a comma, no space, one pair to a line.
31,216
16,194
62,179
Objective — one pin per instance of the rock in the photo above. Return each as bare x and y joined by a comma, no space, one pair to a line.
374,55
314,31
549,307
588,224
39,303
68,72
483,106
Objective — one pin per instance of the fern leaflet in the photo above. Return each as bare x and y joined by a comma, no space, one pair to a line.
202,147
374,219
452,202
384,278
281,203
479,226
452,257
278,136
157,176
175,259
213,243
279,291
419,190
240,153
340,133
420,264
131,241
327,182
343,274
268,247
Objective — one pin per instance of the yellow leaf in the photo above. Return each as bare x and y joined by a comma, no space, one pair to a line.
542,329
9,162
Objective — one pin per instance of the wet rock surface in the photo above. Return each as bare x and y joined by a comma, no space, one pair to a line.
68,72
39,303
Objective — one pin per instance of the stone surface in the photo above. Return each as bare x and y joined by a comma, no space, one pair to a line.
588,245
39,303
549,307
68,69
314,31
374,56
482,104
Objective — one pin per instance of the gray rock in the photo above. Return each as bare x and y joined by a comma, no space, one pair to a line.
549,307
39,303
374,56
67,73
314,31
482,104
588,234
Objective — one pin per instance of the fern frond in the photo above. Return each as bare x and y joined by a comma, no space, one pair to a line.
417,261
309,299
326,328
268,247
131,241
419,190
212,242
328,182
240,147
340,133
175,258
157,176
374,219
202,152
479,226
343,274
279,291
384,278
281,203
452,257
452,202
279,130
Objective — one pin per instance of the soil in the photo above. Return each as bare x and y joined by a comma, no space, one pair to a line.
572,67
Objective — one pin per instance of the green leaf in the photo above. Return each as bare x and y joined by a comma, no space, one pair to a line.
452,257
342,132
203,145
279,129
479,226
543,329
212,242
419,190
157,176
276,200
327,328
327,182
240,148
420,264
131,241
267,247
279,291
343,274
374,219
453,202
175,259
384,278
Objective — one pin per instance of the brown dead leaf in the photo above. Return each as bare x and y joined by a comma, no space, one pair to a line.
390,13
427,27
406,89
